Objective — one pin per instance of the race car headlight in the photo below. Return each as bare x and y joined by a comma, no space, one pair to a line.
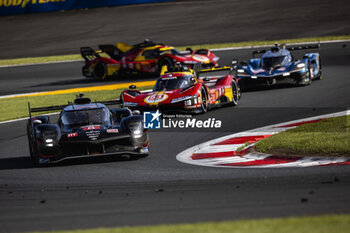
216,59
49,140
301,65
136,129
180,99
190,62
192,101
243,73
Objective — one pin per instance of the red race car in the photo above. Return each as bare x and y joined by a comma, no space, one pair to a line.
144,58
179,89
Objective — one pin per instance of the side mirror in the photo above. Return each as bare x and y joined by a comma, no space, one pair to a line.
234,63
244,63
37,122
136,112
132,87
190,50
192,80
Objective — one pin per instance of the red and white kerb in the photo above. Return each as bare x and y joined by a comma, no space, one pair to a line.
222,152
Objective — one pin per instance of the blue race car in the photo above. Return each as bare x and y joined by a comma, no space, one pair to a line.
278,65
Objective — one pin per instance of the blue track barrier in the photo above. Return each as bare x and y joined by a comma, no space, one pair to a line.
14,7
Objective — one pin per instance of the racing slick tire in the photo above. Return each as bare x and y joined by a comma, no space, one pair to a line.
122,105
319,75
307,80
236,93
35,155
204,100
100,70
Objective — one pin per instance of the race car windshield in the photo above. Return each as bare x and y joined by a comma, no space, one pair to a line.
174,52
85,117
172,83
269,62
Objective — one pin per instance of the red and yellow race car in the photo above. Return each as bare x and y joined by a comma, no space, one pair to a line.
179,89
144,58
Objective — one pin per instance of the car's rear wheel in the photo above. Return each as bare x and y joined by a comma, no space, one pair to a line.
100,70
204,98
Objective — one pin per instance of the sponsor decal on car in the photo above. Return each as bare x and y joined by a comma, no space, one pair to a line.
71,135
84,106
112,130
91,127
200,58
155,98
93,135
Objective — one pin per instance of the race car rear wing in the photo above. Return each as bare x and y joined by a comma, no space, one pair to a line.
311,46
293,48
60,107
232,68
88,54
112,51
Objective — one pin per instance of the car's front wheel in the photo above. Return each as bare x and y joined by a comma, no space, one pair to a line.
205,100
307,79
236,93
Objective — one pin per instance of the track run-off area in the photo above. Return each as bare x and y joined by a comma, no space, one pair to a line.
108,192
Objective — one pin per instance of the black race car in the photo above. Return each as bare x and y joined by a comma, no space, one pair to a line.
86,129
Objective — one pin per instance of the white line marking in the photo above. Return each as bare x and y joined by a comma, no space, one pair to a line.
41,63
25,118
22,94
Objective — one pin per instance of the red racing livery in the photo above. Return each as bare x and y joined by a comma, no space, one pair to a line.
179,89
144,58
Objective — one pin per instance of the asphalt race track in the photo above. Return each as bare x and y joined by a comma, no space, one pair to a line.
185,22
111,192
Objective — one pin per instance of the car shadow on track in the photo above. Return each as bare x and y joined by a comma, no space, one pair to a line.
27,162
266,88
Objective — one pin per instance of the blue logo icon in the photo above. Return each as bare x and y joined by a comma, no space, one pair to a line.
151,120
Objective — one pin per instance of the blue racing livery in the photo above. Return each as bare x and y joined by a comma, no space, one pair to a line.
278,65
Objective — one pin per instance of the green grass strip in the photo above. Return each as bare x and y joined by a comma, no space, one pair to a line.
38,60
267,42
317,224
13,108
329,137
